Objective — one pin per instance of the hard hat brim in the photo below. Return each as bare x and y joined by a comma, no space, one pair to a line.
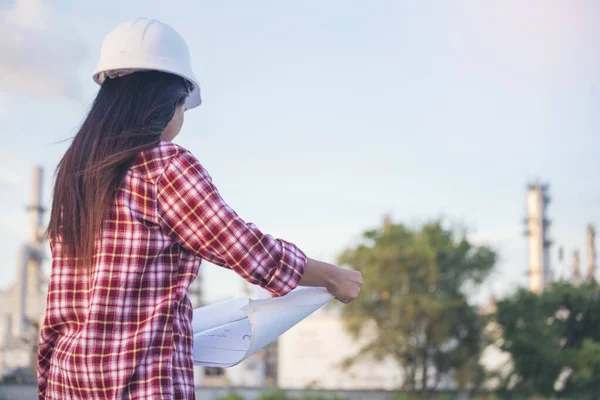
193,100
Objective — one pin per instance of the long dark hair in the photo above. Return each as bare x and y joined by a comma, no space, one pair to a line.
128,115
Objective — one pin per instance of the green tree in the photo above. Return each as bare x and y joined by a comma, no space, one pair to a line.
550,335
413,305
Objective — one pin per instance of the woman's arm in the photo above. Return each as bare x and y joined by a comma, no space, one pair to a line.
193,213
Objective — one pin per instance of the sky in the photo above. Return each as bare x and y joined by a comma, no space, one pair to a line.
319,117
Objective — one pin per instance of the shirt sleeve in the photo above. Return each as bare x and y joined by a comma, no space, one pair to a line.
193,213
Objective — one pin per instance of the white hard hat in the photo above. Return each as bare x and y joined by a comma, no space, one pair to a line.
146,44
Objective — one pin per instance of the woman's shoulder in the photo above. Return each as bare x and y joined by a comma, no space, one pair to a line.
152,163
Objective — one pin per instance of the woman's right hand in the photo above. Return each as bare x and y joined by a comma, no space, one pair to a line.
345,286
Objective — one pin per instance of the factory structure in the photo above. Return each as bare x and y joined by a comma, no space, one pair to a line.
23,304
539,244
537,232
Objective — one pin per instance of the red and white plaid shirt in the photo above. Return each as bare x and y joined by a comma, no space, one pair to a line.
124,331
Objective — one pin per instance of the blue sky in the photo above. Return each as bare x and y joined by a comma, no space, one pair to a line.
320,116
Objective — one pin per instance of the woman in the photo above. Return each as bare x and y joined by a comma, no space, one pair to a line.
133,215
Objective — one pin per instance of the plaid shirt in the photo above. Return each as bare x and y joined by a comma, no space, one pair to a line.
123,331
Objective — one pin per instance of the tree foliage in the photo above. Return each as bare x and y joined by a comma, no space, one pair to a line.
414,302
554,340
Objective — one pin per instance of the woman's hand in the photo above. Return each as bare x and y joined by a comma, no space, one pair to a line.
342,283
346,285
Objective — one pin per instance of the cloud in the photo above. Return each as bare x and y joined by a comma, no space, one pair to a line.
40,51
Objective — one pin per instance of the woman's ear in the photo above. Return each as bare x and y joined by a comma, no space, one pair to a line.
174,126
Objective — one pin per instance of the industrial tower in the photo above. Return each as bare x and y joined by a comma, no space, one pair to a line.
30,279
591,248
575,272
537,225
23,304
560,269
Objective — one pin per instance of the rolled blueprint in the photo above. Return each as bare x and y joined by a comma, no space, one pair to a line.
228,332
